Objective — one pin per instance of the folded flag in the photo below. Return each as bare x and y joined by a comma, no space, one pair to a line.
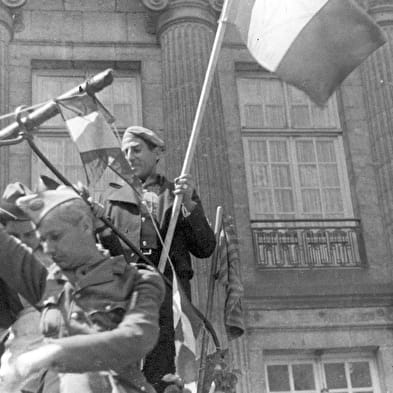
311,44
98,146
187,324
228,275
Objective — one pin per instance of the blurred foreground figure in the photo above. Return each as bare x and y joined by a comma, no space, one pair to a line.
102,322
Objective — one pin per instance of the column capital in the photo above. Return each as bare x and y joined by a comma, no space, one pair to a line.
164,13
10,15
6,22
14,3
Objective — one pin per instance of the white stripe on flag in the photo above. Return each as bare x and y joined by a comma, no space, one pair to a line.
91,132
274,25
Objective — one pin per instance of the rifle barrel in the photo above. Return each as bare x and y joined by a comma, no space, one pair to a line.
49,110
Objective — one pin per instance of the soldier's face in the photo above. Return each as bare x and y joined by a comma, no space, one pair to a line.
24,231
68,245
142,159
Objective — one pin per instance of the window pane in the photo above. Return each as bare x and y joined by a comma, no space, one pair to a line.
284,201
253,116
335,376
311,201
281,176
262,103
272,97
257,150
325,117
360,374
333,202
274,116
329,175
303,377
263,201
278,378
305,151
326,151
260,175
299,108
278,151
308,175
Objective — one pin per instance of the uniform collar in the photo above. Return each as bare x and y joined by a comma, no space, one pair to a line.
100,272
126,194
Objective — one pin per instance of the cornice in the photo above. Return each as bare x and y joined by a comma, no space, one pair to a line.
317,302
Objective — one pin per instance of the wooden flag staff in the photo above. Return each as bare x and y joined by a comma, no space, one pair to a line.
196,127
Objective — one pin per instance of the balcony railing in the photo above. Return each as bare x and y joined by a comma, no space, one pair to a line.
308,243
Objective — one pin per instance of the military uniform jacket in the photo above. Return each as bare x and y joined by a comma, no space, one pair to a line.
107,320
193,233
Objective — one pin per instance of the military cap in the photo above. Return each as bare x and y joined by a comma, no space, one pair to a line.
46,183
39,204
8,209
143,133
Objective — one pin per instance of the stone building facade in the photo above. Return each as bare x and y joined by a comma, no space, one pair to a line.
310,189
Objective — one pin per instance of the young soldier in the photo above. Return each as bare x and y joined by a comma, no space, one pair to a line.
143,149
103,321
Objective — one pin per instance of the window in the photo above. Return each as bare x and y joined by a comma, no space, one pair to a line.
299,198
296,177
122,98
337,374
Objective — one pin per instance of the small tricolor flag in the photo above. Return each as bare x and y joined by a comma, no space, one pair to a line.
311,44
228,275
187,324
98,146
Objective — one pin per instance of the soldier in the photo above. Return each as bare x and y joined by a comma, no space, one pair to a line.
103,321
143,149
24,331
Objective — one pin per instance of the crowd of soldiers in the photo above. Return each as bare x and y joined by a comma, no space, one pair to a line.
79,310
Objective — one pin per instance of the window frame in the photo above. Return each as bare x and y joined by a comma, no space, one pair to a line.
318,361
82,71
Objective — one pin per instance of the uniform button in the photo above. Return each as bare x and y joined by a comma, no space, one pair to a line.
143,219
74,315
108,307
77,295
144,243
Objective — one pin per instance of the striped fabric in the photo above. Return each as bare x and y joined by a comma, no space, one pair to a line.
229,277
311,44
187,325
98,146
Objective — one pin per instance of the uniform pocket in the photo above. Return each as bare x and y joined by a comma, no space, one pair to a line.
109,316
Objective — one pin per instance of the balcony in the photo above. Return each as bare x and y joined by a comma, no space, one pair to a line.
303,244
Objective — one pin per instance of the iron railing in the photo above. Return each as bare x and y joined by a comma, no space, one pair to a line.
308,243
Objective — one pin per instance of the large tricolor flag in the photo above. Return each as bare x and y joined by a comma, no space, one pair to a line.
311,44
97,144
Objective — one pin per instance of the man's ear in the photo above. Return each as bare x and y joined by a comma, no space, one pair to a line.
159,152
86,224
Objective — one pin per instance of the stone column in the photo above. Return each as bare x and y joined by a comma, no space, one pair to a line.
186,30
6,23
377,73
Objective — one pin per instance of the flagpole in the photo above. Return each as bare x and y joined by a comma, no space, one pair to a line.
196,126
209,301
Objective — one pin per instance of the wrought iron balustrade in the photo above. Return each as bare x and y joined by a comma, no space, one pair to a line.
308,243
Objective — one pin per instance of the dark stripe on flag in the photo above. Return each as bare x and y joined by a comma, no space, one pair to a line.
335,41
